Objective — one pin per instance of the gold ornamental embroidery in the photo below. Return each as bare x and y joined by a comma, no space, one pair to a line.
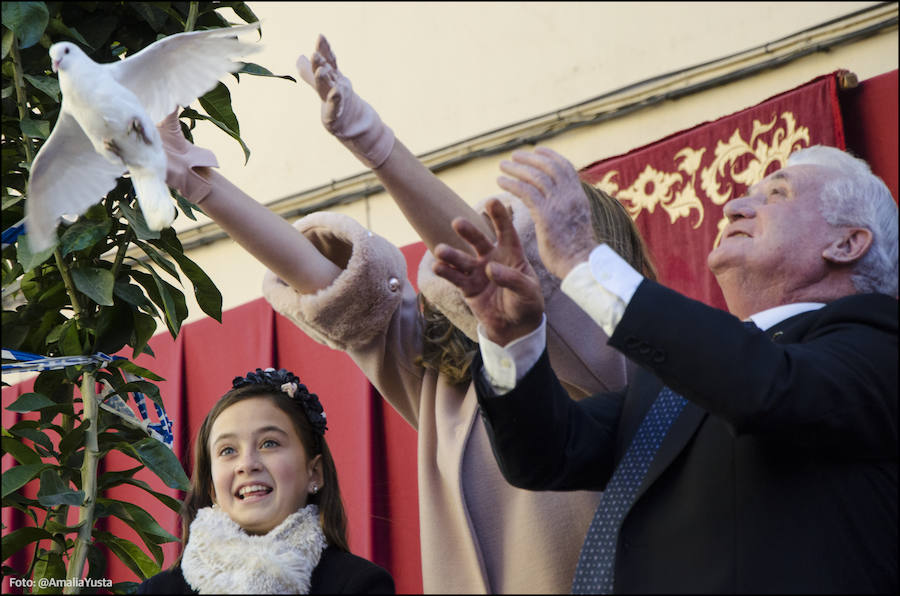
735,161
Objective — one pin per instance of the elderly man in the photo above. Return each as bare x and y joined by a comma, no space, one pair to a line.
755,451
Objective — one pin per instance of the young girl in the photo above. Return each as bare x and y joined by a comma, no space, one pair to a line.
264,512
346,287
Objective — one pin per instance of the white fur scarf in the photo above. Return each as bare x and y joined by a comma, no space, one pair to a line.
220,558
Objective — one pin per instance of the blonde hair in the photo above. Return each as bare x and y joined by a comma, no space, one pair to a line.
449,351
613,225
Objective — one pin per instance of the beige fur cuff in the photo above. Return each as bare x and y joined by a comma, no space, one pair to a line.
449,300
361,301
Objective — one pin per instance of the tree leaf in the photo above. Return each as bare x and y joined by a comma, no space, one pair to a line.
106,507
169,298
260,71
186,206
160,260
53,491
19,539
242,10
170,502
209,298
160,460
57,26
138,223
145,387
82,234
190,113
69,341
96,563
217,104
48,85
95,283
113,329
129,553
28,429
51,569
115,477
28,259
73,440
134,369
151,14
36,129
129,293
143,522
23,454
18,476
144,328
27,19
8,37
29,402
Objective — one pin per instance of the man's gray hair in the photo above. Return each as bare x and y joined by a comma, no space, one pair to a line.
857,197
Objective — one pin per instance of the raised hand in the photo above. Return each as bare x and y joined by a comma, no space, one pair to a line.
498,283
549,186
182,157
345,115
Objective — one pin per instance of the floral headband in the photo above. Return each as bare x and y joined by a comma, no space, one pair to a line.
288,383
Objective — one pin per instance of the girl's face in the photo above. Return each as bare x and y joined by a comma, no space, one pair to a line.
260,470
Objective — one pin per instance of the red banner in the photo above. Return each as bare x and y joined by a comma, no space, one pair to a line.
675,188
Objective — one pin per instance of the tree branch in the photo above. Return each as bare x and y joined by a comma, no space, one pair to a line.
88,483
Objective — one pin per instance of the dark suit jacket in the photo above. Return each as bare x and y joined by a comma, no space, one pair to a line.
338,572
780,475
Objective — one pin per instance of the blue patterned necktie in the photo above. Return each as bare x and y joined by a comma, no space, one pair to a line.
594,574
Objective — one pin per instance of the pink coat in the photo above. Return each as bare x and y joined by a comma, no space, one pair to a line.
478,533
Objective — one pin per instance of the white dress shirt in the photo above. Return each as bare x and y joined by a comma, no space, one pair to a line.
602,286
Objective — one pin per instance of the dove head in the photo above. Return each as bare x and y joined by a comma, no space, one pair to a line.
62,54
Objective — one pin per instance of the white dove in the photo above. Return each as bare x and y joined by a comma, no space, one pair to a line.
107,125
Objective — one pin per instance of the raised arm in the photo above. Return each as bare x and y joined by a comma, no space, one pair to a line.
426,202
265,235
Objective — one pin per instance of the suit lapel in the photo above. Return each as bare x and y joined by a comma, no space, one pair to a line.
679,434
690,418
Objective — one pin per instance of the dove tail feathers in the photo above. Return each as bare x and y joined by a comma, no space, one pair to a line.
154,198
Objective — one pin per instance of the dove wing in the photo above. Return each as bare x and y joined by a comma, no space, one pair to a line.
67,177
178,69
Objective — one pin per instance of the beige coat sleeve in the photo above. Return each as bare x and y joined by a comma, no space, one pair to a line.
369,311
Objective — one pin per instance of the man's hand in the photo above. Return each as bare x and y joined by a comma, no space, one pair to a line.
181,159
344,113
498,283
550,188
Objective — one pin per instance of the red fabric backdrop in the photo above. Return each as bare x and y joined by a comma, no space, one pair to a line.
870,124
674,188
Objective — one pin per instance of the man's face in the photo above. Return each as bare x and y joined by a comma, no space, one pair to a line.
776,233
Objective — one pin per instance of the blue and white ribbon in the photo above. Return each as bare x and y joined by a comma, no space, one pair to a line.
25,362
113,403
11,233
109,401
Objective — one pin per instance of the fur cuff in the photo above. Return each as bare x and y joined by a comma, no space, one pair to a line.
361,301
449,300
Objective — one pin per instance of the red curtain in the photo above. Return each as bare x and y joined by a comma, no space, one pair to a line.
870,120
674,188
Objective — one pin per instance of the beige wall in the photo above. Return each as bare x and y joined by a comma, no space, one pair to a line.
439,73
